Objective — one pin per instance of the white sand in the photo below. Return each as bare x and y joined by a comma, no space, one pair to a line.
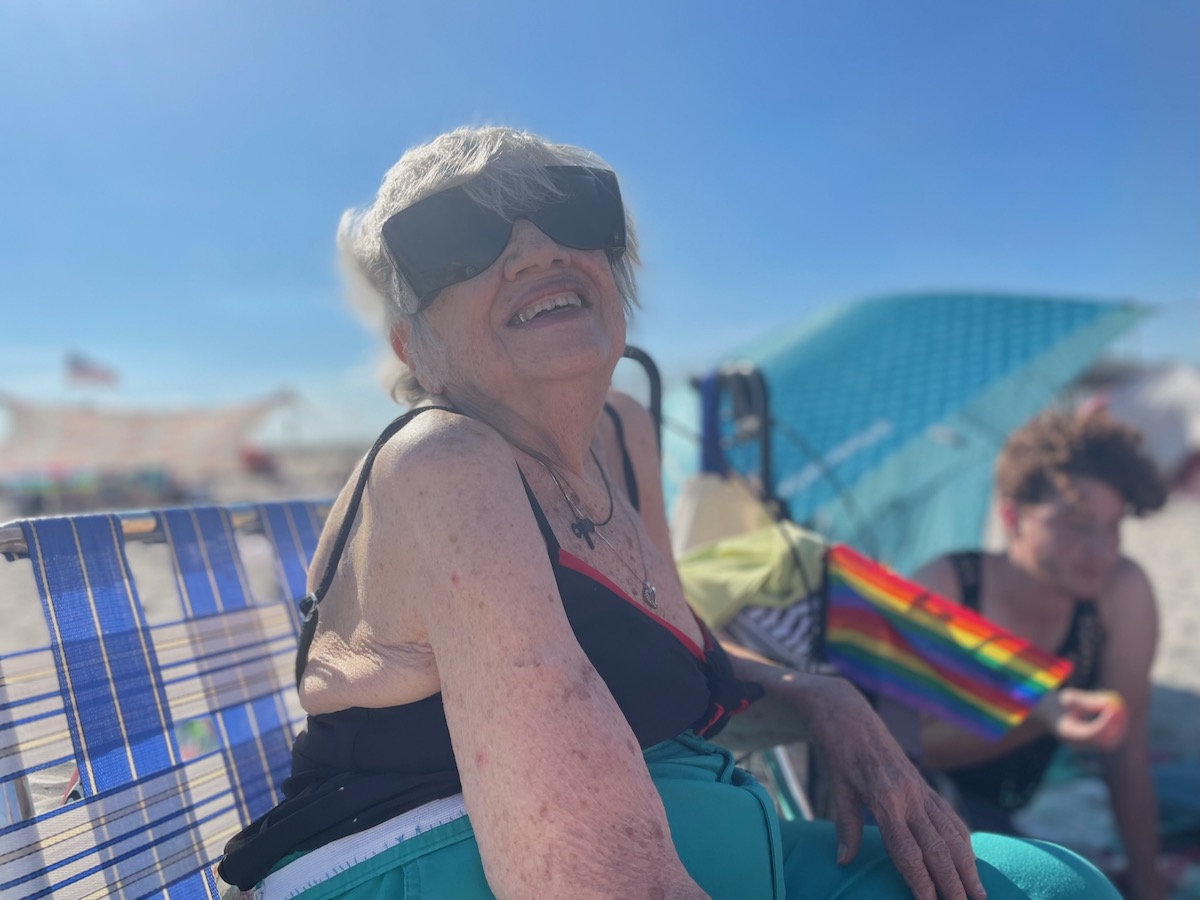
1167,545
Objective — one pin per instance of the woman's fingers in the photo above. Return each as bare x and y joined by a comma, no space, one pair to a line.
929,845
1091,702
939,862
1093,719
964,833
848,822
908,857
957,838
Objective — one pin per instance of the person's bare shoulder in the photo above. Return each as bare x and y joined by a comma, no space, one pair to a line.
420,443
437,439
1129,597
441,467
1130,616
939,576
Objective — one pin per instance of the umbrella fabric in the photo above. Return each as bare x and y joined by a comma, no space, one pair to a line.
887,414
892,636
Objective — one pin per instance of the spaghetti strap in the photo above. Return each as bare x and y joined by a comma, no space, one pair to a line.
548,535
631,485
309,604
968,566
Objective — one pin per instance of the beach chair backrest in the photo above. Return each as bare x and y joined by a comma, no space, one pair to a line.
180,728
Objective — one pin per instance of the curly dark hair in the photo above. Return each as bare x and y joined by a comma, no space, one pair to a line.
1038,456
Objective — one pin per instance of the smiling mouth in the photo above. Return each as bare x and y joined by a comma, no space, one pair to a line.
547,306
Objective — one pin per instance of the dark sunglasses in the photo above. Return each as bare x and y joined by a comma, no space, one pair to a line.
447,237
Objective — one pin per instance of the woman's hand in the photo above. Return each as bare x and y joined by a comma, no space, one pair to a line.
929,845
927,842
1086,720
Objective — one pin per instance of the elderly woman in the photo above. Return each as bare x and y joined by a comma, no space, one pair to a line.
507,693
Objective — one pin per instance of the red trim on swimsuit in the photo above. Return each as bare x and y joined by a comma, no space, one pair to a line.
718,712
578,565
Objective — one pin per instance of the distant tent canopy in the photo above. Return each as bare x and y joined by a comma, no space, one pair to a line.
884,417
190,444
1164,405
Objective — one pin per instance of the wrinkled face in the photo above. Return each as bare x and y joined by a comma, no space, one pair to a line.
541,312
1073,541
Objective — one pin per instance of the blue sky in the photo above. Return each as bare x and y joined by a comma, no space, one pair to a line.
171,173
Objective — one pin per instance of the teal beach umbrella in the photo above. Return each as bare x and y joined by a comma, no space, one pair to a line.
886,415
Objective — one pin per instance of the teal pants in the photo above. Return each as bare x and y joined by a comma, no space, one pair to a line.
728,836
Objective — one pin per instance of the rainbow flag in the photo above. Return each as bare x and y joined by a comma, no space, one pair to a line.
892,636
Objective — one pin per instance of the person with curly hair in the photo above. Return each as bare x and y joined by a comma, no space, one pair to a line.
1065,482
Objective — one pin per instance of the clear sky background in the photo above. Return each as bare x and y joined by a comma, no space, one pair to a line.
171,173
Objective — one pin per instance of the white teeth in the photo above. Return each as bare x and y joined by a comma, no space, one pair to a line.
546,305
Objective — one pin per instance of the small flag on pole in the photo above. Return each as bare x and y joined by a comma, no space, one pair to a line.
84,371
893,637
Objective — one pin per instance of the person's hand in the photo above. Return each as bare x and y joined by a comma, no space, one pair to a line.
1087,720
927,842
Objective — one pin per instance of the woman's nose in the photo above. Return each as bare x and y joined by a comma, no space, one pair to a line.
530,248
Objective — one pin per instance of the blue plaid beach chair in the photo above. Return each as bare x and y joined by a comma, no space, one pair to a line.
181,730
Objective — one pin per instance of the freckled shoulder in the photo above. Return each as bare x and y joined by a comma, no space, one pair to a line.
438,439
434,481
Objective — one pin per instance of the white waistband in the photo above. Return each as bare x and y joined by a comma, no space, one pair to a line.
337,856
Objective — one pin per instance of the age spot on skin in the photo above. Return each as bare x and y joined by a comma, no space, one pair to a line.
577,690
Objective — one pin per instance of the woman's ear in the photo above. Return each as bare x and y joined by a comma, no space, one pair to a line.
398,335
1010,518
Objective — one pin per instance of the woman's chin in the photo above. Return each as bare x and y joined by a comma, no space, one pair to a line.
572,348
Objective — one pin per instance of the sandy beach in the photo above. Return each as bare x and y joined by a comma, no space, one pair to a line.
1168,546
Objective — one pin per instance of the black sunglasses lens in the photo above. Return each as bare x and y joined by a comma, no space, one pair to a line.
588,215
442,240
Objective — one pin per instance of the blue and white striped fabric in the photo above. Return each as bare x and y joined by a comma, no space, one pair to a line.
111,693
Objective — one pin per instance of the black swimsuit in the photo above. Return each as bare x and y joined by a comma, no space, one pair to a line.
994,789
357,767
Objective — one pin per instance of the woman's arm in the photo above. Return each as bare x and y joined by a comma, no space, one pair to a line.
553,778
926,841
1131,618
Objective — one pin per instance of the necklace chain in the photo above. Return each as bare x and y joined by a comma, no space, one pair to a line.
649,591
583,527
